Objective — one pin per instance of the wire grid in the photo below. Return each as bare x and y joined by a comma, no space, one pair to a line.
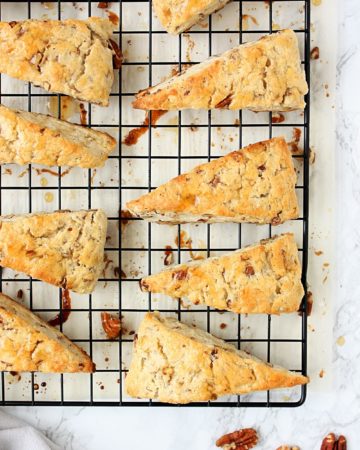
66,386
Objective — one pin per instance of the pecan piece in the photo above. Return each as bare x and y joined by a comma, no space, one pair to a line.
224,103
111,325
315,53
286,447
180,274
249,271
238,440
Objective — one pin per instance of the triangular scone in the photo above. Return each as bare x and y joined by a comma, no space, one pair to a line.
175,363
255,184
27,137
265,75
262,279
72,57
64,248
177,16
28,344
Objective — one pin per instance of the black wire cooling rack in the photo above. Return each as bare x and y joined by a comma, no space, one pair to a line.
31,385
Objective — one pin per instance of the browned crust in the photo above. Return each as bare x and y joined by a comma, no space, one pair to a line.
255,184
261,279
28,344
265,75
175,363
64,248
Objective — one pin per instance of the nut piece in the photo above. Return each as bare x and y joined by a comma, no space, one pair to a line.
331,443
238,440
111,325
341,443
286,447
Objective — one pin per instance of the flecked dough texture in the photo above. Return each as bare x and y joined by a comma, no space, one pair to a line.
263,279
175,363
63,248
71,57
265,75
177,16
255,184
28,344
27,137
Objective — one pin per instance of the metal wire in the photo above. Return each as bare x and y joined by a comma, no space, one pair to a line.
303,185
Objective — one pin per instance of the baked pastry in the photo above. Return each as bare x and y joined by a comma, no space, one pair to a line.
28,344
27,137
72,57
64,248
265,75
177,16
175,363
255,184
262,279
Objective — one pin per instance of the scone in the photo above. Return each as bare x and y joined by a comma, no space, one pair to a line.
177,16
72,57
175,363
255,184
28,344
27,137
265,75
63,248
262,279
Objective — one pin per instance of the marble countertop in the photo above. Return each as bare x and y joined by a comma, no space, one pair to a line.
337,409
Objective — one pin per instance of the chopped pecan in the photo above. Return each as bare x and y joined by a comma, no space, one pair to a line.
180,275
249,271
286,447
111,325
215,181
117,55
276,220
144,286
277,118
238,440
224,102
315,53
169,256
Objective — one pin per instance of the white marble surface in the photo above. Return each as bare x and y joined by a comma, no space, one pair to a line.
338,408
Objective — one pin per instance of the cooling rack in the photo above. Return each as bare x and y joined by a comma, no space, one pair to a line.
179,141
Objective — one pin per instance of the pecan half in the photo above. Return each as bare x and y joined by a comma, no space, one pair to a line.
238,440
331,443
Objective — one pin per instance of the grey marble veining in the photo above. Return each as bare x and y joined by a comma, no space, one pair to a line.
338,410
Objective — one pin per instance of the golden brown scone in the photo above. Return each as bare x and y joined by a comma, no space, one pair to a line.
28,344
255,184
64,248
177,16
261,279
175,363
27,137
265,75
71,57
